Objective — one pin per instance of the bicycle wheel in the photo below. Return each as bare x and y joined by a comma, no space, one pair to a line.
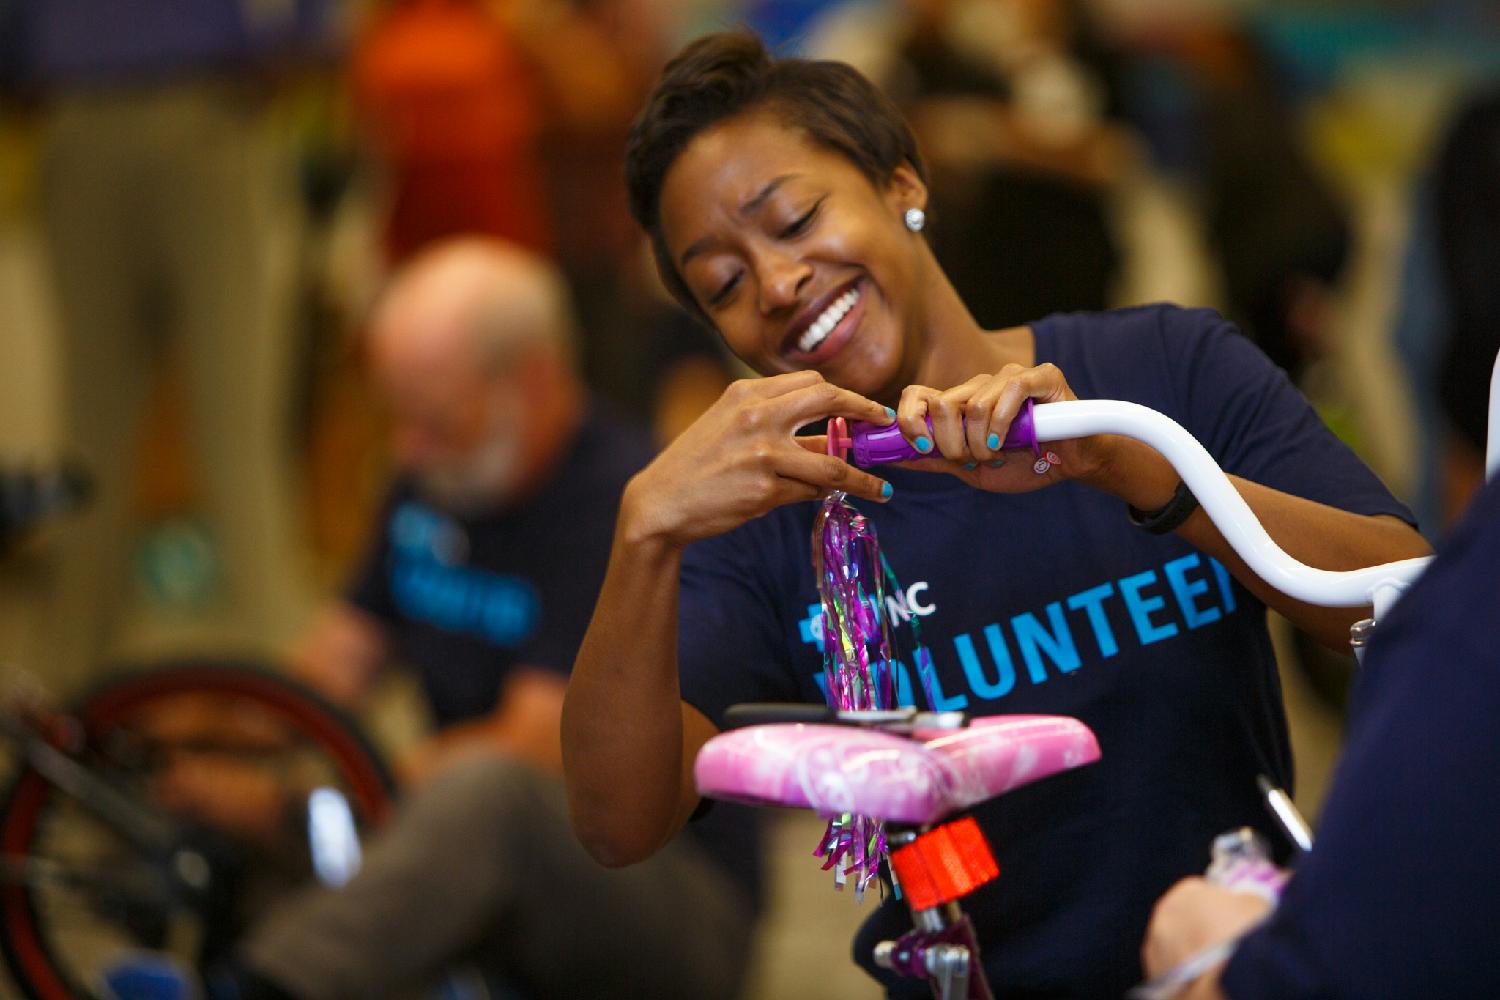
78,888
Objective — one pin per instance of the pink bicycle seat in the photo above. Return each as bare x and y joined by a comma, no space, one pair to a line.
834,769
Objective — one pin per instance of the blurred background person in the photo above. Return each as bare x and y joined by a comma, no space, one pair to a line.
451,114
480,576
1016,106
507,119
1448,320
1280,233
169,214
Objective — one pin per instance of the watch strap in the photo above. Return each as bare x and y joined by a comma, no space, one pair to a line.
1169,516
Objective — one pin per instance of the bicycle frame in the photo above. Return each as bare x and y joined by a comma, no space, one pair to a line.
169,863
936,866
144,828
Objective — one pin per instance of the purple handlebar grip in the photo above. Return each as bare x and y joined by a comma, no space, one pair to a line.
875,445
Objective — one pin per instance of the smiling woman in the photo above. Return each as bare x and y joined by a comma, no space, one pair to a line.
777,194
788,270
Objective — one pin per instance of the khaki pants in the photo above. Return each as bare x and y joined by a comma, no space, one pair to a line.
481,864
169,225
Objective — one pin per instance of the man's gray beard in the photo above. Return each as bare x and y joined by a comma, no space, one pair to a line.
483,482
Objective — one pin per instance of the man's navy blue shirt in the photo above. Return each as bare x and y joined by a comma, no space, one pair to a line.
1398,897
466,600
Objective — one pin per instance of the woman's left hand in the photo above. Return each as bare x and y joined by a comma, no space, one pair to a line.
970,421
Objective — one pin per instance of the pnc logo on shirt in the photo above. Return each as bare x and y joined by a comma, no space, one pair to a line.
900,607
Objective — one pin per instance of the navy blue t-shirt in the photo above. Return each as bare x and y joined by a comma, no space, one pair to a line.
465,601
1398,897
1052,602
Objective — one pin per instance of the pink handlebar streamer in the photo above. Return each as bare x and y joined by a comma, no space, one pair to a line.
858,654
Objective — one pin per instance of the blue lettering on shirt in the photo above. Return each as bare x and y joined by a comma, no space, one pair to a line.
428,583
900,607
934,687
1140,608
1187,591
1092,602
811,627
1033,639
1046,641
1005,670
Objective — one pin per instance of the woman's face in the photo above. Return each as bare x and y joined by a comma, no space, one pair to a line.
794,255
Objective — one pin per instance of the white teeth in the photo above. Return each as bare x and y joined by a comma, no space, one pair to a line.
821,327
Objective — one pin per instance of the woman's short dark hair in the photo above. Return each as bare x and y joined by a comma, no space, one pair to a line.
723,75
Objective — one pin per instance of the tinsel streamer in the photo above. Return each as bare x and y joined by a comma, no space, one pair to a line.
920,653
859,661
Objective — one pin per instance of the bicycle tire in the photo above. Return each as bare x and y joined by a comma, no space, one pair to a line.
29,952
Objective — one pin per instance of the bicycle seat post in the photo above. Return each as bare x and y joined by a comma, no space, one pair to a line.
935,867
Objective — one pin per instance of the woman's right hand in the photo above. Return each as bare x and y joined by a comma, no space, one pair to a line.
742,458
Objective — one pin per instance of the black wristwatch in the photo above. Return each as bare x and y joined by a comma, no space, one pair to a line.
1169,516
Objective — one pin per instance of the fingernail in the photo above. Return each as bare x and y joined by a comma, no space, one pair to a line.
922,444
996,463
970,465
890,414
992,442
886,491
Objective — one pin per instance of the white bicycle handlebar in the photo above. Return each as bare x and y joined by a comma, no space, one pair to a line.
1377,585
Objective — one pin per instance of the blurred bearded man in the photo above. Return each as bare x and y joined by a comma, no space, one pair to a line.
481,577
491,544
472,347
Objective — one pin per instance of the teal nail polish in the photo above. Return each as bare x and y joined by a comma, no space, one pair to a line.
922,444
997,463
886,490
992,442
970,465
890,414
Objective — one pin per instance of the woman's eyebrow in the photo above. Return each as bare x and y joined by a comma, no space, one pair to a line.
750,206
758,199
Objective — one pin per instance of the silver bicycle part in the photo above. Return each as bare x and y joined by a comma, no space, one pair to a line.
935,918
948,965
332,836
898,720
1360,634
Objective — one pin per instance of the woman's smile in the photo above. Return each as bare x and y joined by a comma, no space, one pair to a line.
823,328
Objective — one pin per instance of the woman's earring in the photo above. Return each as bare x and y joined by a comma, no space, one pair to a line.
916,219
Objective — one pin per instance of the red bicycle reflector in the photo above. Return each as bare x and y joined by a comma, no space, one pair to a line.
944,864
